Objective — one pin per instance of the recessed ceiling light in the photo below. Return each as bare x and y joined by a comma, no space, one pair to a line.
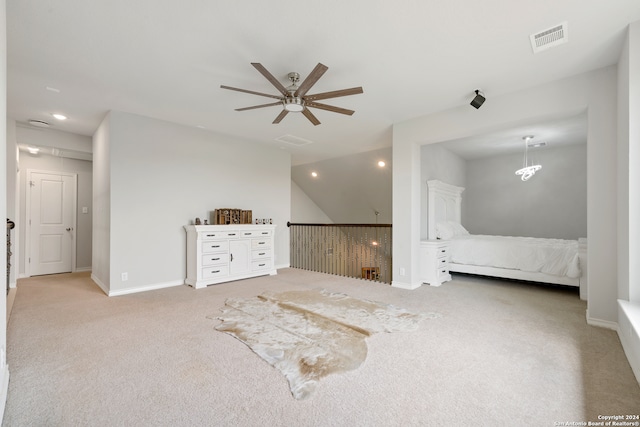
381,163
59,116
314,174
33,150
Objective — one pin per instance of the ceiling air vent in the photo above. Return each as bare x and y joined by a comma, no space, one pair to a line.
39,123
550,37
293,140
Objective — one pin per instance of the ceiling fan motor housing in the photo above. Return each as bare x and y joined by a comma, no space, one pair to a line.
293,103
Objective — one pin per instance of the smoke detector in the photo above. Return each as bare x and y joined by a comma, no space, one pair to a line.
551,37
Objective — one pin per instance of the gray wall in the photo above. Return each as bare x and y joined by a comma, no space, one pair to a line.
303,209
350,189
551,204
153,177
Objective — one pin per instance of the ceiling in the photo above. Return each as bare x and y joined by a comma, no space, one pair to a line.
553,133
167,59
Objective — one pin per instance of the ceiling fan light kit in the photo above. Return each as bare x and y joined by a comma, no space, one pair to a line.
294,98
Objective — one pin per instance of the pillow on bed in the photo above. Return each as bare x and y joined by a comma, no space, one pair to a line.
444,230
447,230
457,228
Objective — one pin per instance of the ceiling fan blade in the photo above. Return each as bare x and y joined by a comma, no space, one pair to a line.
270,77
281,116
334,94
311,79
329,108
259,106
250,91
309,115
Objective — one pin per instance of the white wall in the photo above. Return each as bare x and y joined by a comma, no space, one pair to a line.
595,92
12,208
303,209
628,170
101,243
4,369
53,138
160,176
629,197
552,204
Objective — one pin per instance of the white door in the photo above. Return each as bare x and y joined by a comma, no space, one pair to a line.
51,222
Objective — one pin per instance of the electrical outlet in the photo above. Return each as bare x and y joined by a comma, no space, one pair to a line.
125,277
402,271
85,210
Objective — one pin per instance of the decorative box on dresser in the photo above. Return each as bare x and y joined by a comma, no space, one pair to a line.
434,262
222,253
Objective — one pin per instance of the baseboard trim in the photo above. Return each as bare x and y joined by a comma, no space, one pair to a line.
4,392
278,267
403,285
601,323
145,288
629,333
82,269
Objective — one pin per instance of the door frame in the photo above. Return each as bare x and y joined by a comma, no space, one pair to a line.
28,248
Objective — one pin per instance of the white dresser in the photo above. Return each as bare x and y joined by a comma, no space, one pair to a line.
434,262
221,253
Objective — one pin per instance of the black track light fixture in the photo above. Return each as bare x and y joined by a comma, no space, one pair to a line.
478,100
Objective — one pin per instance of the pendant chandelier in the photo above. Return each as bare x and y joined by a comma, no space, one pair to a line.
528,170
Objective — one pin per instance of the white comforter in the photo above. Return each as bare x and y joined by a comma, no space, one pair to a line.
551,256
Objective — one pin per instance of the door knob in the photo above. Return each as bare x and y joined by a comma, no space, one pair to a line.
70,228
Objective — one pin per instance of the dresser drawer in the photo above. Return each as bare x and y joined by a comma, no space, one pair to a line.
443,274
264,264
442,263
442,252
260,243
255,233
215,259
213,235
215,246
259,254
215,271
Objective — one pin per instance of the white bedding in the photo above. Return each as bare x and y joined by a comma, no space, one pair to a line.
551,256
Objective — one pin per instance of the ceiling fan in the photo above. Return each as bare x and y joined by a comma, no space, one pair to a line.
294,97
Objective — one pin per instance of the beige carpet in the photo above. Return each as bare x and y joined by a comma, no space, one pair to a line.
310,334
502,354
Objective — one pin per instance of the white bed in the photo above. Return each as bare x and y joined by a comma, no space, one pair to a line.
555,261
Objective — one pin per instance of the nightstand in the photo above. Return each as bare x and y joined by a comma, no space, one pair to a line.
434,262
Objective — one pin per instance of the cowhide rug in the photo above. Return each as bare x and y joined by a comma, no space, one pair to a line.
308,335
